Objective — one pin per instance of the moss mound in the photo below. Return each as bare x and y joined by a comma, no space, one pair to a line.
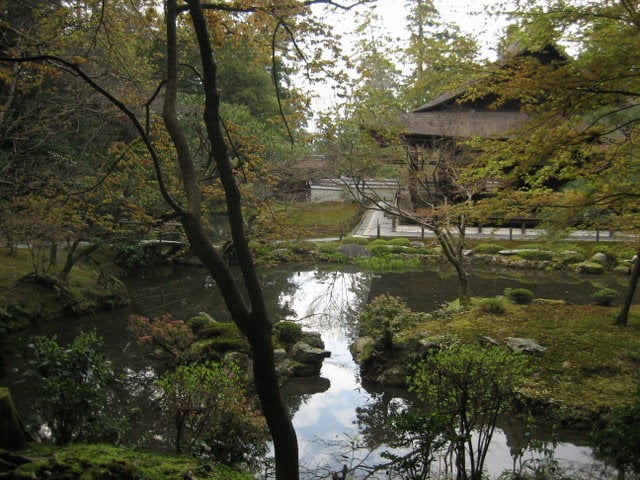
589,366
26,297
101,462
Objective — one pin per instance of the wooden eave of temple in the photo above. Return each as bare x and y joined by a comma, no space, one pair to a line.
451,116
448,117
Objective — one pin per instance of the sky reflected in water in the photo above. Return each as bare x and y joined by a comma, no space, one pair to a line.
327,422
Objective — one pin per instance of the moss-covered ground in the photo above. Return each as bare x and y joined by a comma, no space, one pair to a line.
589,366
99,462
25,298
314,220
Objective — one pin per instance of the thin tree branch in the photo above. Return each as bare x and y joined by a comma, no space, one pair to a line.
75,68
276,82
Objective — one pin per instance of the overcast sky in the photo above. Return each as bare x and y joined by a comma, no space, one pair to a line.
467,14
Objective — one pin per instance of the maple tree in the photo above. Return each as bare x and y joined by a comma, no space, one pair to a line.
575,163
171,335
61,153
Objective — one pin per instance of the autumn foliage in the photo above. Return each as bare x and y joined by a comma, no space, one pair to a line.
170,335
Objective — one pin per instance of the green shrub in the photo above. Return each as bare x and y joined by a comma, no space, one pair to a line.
287,332
535,254
569,257
300,247
327,247
378,242
210,414
618,442
134,255
467,387
625,252
448,309
399,242
75,389
383,263
385,316
488,248
519,296
569,247
420,251
335,257
379,249
493,306
387,248
606,249
605,297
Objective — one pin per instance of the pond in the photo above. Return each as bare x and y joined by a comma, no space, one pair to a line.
338,418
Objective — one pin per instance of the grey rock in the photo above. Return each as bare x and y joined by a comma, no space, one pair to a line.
393,376
524,345
279,354
600,258
508,253
285,368
427,344
362,349
488,341
589,267
205,316
305,353
353,250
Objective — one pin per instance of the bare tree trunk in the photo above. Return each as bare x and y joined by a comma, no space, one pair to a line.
413,178
623,316
255,325
53,254
13,435
72,258
452,250
252,321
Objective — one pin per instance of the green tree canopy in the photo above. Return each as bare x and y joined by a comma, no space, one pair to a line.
576,159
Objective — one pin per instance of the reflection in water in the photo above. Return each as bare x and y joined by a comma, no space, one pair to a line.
345,424
324,302
338,420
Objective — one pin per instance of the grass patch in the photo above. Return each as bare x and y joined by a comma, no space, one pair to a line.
24,299
493,306
382,263
488,248
88,462
589,366
17,265
325,219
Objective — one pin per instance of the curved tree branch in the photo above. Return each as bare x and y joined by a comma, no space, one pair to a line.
254,324
75,69
276,82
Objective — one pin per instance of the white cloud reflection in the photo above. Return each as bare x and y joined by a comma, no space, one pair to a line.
326,422
320,302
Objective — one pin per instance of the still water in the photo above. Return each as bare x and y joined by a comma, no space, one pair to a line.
339,420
